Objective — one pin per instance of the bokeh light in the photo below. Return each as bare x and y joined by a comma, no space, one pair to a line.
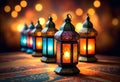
14,14
23,3
96,3
54,16
42,20
91,11
79,11
18,8
115,21
78,27
38,7
20,27
7,8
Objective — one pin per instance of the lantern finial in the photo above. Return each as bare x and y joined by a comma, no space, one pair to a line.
68,18
50,18
87,23
31,26
38,25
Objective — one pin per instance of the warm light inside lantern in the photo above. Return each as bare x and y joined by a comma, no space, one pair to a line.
29,41
83,46
66,53
38,43
91,46
38,33
87,46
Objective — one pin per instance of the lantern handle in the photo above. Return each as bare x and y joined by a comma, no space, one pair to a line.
69,16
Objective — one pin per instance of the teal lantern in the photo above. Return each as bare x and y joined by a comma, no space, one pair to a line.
37,40
30,39
49,43
23,39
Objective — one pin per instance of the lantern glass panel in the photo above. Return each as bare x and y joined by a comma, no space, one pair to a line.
29,41
58,53
66,53
83,46
75,58
23,40
91,46
50,46
38,43
44,45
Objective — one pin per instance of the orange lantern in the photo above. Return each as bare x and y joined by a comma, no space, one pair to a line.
87,42
67,48
37,40
29,39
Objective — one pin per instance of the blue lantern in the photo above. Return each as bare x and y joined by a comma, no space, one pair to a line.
49,43
23,39
37,40
30,39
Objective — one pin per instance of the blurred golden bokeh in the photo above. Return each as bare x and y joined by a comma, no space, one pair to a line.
42,20
14,14
96,3
115,21
38,7
18,8
79,11
78,27
23,3
91,11
7,8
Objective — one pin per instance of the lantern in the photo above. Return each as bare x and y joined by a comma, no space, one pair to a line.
23,39
67,49
37,40
30,39
87,42
49,43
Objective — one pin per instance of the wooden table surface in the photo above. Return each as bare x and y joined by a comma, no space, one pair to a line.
22,67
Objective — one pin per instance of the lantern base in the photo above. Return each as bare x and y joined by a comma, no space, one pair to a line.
48,59
67,70
87,59
23,49
29,51
36,54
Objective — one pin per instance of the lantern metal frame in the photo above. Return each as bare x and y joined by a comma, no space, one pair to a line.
38,28
48,32
88,32
66,35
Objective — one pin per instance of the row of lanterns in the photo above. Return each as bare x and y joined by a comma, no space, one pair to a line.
66,46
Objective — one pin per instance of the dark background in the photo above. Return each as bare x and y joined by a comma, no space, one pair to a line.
106,20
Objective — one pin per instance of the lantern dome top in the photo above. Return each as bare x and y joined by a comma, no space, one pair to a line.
31,26
49,29
87,29
38,28
25,27
67,31
30,29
